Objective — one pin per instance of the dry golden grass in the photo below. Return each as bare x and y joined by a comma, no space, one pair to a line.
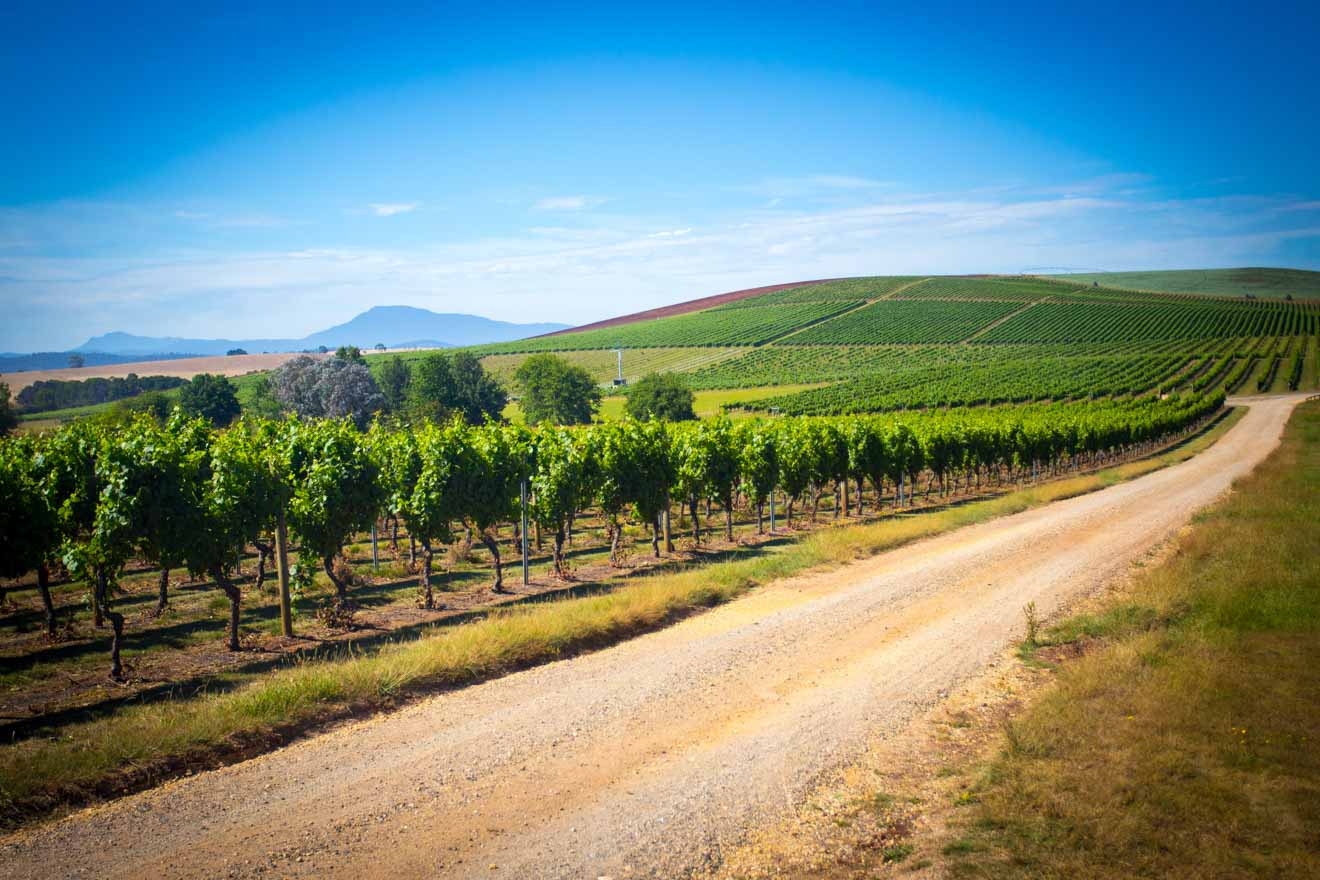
1186,743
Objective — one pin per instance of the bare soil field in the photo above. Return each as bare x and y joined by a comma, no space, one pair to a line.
653,758
185,368
692,305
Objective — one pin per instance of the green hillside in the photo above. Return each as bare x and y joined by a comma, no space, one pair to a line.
892,343
1300,283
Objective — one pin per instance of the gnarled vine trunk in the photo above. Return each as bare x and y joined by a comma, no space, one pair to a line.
235,599
493,546
43,588
101,600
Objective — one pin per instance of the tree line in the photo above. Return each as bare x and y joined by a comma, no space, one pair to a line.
91,497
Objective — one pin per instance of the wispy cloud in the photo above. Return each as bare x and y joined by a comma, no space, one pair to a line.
573,274
389,209
568,203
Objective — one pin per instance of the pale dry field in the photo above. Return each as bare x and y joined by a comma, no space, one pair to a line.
185,368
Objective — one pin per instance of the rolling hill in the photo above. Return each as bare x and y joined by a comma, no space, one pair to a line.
1299,283
887,343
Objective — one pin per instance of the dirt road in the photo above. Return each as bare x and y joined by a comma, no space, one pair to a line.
645,759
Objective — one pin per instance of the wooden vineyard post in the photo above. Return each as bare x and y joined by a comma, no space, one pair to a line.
772,511
523,493
282,563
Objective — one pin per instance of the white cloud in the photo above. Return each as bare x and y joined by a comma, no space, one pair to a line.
568,203
389,209
569,274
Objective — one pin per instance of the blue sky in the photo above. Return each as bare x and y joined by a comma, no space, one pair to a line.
268,170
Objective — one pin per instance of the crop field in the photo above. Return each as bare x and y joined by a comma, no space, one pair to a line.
1104,322
602,364
752,325
1012,290
850,290
905,321
1274,283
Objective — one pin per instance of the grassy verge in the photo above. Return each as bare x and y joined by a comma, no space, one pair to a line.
1186,741
144,743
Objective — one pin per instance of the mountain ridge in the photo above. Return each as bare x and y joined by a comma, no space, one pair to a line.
391,326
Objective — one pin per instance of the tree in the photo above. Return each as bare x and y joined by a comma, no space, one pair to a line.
663,396
555,391
29,528
379,346
443,386
77,361
394,379
153,403
8,418
210,397
350,353
331,388
476,393
234,351
337,490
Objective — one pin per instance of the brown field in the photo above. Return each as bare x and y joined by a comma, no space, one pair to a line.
692,305
186,368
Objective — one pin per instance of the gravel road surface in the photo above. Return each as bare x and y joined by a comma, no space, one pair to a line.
646,759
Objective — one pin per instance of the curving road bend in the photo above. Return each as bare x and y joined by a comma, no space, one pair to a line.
645,759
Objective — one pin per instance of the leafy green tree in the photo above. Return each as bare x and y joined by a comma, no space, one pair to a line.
476,393
394,377
664,396
77,361
443,386
352,354
29,529
337,490
211,397
8,418
153,403
555,391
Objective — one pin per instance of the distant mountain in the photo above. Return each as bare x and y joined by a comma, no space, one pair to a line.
392,326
